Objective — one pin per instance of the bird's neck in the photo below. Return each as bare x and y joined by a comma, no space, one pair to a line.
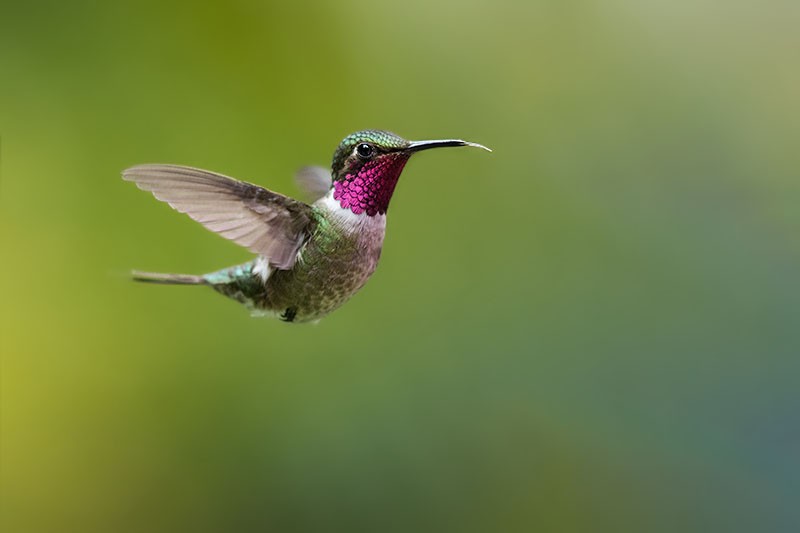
369,189
344,222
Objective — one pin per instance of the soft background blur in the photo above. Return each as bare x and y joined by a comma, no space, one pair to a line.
593,328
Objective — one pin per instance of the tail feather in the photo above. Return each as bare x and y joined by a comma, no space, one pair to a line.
168,279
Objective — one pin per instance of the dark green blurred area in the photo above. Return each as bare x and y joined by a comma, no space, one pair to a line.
594,328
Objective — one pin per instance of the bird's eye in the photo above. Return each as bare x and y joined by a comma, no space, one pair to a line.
365,150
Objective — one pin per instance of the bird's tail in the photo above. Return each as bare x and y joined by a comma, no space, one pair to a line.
168,279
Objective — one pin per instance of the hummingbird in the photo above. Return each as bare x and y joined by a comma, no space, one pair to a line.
311,257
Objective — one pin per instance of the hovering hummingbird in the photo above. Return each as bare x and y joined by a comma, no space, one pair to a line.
311,257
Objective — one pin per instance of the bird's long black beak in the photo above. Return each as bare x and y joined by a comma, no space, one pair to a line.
417,146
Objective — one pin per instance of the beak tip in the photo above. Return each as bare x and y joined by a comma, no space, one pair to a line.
476,145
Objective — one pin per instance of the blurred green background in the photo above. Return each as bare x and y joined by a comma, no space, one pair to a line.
594,328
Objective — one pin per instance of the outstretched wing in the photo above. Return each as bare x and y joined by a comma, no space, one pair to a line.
314,181
262,221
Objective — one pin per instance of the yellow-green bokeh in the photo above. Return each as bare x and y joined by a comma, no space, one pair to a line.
594,328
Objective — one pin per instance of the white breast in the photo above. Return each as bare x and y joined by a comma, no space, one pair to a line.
370,227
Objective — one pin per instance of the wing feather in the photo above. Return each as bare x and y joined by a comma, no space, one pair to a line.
315,182
265,222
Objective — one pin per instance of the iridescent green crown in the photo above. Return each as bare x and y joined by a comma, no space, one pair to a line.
381,139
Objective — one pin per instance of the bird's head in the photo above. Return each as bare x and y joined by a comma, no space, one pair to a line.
367,165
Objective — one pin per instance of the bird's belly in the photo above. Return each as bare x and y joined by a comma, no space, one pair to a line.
325,278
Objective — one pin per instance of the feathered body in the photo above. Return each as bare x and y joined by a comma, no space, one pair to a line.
335,262
312,258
